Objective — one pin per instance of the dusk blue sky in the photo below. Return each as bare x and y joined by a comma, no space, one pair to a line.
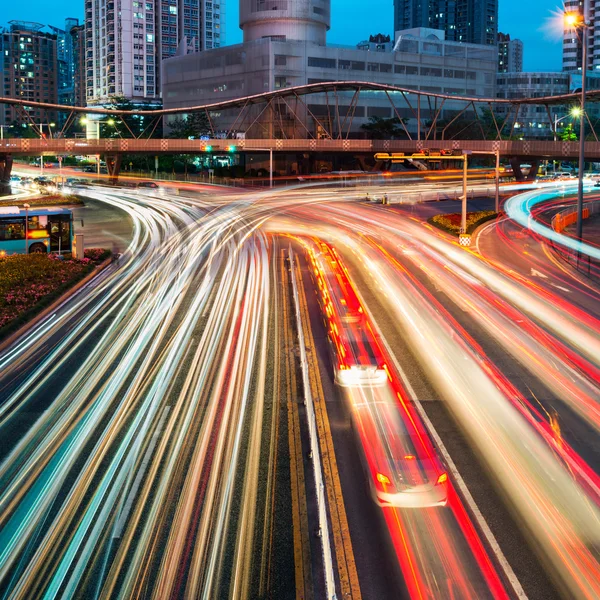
351,23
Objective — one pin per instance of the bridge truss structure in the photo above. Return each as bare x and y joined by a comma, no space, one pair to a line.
289,111
287,120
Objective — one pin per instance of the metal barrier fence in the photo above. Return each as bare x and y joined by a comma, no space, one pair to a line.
560,221
314,446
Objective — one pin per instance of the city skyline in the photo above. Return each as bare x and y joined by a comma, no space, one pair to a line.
542,48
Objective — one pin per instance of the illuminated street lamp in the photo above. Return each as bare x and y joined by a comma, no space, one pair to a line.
578,21
574,112
97,122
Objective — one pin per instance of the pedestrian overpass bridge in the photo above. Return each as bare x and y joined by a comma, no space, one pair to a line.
335,129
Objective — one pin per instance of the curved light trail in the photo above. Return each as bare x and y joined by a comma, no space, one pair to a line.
144,399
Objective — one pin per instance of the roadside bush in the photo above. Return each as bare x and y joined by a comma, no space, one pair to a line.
29,283
451,222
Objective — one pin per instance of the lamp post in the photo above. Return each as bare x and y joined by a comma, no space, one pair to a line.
575,112
110,121
270,151
49,125
2,128
26,207
579,21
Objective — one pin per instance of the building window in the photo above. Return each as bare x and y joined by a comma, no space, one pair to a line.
322,63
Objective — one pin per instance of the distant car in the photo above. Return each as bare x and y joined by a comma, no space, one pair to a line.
597,184
15,179
90,169
148,184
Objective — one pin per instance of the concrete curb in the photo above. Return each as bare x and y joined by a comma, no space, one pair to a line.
12,338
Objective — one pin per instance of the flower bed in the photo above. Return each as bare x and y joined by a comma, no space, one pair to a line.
29,283
50,200
451,222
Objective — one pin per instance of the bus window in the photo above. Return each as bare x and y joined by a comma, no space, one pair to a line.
37,222
12,229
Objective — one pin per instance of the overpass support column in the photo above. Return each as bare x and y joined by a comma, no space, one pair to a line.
113,166
515,163
6,163
535,165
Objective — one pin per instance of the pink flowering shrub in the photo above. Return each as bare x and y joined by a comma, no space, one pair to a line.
28,283
96,255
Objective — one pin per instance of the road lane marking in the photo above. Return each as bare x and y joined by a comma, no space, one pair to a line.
536,273
346,563
302,560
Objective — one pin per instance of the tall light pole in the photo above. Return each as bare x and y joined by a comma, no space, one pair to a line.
575,112
270,151
26,207
2,128
579,22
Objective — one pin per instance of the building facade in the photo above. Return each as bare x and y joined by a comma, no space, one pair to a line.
469,21
535,121
65,61
572,42
77,34
126,40
510,54
421,61
28,70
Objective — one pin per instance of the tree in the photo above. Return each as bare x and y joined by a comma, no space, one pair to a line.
568,134
379,128
193,126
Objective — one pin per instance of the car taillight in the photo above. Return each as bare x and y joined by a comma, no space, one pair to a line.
443,478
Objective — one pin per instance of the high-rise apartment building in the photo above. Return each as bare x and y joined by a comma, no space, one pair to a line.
127,39
78,43
572,49
510,54
28,70
65,62
470,21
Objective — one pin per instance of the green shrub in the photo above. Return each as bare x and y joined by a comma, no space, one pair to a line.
451,222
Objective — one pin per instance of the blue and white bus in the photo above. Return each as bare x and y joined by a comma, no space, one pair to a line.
47,229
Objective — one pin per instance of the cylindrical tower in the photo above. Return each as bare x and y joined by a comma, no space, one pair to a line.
303,20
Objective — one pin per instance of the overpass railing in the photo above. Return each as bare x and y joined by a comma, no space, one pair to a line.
77,146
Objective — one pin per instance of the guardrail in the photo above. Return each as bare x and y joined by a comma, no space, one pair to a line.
564,218
560,221
314,445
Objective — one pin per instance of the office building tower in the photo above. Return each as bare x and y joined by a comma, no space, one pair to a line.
28,70
510,54
470,21
126,40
